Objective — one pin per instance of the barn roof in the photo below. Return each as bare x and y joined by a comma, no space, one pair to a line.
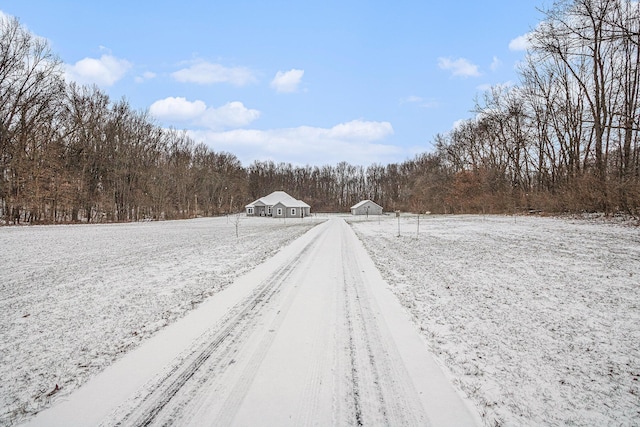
364,202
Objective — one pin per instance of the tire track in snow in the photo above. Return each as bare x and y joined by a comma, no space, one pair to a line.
235,329
309,409
382,391
368,401
239,391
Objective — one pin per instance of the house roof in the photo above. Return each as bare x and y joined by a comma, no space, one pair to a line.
294,204
364,202
279,197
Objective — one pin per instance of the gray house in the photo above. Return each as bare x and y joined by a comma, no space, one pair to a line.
278,205
366,207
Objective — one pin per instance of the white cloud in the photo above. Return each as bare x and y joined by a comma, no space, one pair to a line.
495,63
497,86
287,81
104,71
147,75
356,142
203,72
358,130
418,100
178,109
459,67
230,115
520,43
413,99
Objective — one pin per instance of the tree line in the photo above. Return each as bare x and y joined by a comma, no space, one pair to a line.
565,138
68,153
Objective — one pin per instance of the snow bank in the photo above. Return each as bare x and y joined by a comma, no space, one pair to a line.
76,298
536,319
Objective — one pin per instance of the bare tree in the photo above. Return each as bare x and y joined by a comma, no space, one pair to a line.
30,86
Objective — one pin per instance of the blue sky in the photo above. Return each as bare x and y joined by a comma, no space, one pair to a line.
306,82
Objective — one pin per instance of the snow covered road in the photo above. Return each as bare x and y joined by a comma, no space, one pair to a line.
310,337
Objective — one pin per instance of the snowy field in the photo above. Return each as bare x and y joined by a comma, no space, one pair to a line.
536,319
75,298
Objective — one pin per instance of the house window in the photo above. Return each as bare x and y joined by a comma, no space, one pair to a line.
279,212
293,211
250,211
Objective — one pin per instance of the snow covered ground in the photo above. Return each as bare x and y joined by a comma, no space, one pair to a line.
536,319
312,336
73,299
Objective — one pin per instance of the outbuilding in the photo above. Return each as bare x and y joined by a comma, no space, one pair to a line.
366,207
